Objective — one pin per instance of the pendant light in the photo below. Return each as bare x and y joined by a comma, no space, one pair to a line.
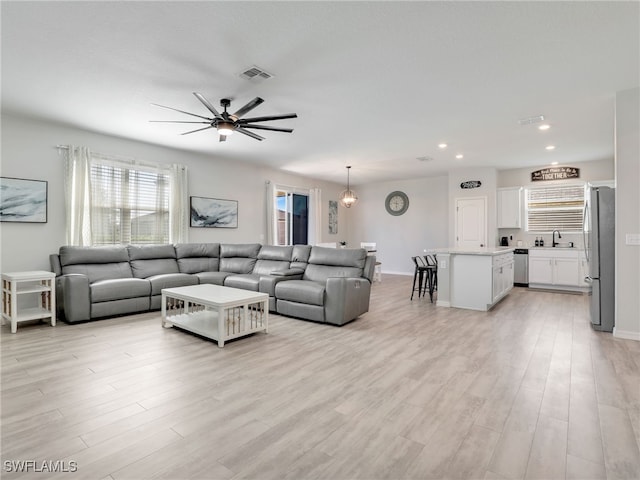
348,197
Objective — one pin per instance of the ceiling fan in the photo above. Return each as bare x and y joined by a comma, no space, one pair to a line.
227,123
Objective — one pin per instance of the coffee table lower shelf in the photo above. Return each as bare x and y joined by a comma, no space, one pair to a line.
205,323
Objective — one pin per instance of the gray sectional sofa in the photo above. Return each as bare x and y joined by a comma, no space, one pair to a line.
314,283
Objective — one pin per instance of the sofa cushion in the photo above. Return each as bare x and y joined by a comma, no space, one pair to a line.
248,250
215,278
301,291
70,255
331,262
245,281
150,260
237,265
300,256
97,263
171,280
275,252
340,257
238,258
117,289
198,257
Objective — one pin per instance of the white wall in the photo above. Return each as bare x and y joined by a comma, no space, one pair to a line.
627,167
398,238
28,151
487,189
595,171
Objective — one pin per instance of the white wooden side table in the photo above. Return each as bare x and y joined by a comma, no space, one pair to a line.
36,283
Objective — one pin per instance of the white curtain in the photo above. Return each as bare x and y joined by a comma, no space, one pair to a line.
270,229
78,196
315,216
179,206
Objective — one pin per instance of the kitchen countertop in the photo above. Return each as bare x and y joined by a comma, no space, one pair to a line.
473,251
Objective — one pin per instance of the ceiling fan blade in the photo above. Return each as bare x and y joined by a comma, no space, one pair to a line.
223,138
176,121
198,130
249,134
207,104
182,111
265,127
248,107
267,118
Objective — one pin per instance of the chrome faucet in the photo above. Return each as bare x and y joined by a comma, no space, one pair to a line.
553,238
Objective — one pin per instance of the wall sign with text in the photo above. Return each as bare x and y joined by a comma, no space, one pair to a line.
555,173
470,184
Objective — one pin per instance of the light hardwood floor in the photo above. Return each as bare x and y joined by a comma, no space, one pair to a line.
408,391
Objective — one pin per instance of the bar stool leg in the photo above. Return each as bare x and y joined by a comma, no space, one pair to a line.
413,288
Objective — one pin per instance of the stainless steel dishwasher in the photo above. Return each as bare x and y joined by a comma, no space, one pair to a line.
521,267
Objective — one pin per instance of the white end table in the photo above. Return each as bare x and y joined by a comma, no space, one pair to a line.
38,282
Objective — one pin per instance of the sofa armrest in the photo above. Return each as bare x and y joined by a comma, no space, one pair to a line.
267,283
54,261
291,272
346,299
74,297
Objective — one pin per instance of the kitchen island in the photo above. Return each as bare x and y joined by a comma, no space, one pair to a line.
474,279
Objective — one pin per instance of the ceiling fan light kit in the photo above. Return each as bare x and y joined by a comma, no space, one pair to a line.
226,123
348,198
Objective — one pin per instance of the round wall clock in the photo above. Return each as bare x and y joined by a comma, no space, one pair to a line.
396,203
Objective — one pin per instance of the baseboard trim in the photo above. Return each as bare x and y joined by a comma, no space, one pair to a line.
442,303
626,334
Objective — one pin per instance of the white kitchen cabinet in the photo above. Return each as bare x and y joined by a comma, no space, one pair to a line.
477,279
509,201
502,275
556,268
540,269
565,271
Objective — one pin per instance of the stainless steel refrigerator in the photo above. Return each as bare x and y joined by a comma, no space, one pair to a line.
599,231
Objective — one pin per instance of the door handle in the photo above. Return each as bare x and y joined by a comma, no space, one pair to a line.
588,279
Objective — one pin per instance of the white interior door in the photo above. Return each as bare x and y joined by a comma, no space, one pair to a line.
471,222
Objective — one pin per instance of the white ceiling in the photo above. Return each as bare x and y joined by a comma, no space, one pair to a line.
374,84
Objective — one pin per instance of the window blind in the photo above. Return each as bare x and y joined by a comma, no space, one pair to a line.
555,208
130,204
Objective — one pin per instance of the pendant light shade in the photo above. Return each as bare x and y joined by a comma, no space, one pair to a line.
348,197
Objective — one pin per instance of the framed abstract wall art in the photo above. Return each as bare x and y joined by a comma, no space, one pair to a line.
22,200
213,213
333,217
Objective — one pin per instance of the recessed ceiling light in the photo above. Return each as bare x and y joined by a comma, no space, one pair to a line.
544,126
554,163
550,147
442,145
459,156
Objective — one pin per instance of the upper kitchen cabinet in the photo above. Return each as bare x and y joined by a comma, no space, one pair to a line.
509,202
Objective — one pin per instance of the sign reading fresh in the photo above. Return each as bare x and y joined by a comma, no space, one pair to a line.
470,184
555,173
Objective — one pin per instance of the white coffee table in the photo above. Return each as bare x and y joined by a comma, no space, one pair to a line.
216,312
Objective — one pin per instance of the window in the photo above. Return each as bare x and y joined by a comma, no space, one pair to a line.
555,208
119,201
292,217
129,204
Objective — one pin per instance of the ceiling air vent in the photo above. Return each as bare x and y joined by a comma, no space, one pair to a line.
531,120
255,73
